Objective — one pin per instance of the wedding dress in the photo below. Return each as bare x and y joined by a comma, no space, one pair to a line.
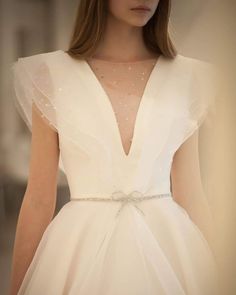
119,126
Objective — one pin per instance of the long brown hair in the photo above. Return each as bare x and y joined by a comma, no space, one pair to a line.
91,21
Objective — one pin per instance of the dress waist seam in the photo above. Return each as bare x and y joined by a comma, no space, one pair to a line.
119,196
111,198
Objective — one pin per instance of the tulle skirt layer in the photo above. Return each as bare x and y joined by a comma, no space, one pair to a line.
86,250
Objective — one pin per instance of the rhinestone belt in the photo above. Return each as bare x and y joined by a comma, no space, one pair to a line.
120,196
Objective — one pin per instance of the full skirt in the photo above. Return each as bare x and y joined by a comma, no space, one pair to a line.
87,250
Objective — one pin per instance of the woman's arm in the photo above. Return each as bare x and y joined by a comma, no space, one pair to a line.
39,201
187,186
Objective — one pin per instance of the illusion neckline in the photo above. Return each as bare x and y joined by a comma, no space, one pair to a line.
140,112
109,111
123,62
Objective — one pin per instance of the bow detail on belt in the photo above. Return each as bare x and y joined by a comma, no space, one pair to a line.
133,197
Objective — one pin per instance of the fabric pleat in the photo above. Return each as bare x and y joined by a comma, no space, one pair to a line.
162,252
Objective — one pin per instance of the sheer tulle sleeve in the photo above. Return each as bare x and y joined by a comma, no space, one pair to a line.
33,87
201,103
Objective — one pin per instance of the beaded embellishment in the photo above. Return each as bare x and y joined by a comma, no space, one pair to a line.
119,196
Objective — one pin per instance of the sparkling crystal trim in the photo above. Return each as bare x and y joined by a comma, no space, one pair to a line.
120,196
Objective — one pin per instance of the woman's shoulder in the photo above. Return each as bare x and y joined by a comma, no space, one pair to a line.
38,66
194,63
198,69
41,56
189,59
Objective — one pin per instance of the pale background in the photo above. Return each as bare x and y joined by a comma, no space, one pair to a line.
204,29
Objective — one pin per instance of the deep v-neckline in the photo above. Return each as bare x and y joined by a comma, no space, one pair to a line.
110,110
139,112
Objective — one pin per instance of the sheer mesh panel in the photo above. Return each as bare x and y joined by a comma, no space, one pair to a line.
34,89
202,97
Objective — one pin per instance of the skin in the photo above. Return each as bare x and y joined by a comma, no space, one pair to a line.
122,41
187,188
39,201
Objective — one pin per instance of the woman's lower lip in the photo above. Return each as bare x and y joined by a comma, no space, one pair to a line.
140,10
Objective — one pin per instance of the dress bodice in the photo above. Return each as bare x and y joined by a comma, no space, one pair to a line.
119,124
123,85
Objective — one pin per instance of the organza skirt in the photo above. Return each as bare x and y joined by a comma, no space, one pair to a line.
87,250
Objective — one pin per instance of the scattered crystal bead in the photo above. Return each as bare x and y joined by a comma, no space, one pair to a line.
124,85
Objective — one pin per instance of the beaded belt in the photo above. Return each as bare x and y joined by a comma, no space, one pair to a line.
120,196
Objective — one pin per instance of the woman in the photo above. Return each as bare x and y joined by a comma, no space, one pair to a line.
122,109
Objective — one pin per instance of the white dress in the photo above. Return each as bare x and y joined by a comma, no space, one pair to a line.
125,246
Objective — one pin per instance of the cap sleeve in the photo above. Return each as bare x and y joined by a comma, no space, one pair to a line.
201,103
33,87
